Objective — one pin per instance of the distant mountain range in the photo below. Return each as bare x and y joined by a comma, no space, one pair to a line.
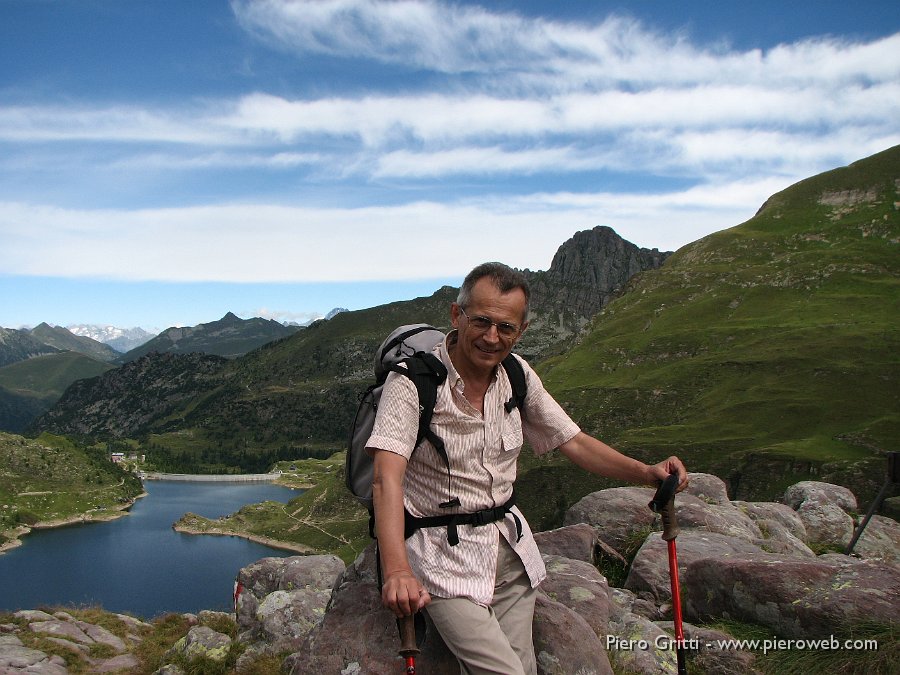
230,336
38,364
120,339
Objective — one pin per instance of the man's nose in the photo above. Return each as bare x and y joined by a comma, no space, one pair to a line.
492,334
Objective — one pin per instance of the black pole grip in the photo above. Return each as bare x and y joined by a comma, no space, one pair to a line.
663,503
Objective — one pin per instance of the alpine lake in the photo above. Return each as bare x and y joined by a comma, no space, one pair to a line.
138,564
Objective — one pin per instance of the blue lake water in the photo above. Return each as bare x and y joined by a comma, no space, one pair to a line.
138,564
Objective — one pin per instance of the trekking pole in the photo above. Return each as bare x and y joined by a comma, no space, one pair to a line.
664,504
893,476
408,648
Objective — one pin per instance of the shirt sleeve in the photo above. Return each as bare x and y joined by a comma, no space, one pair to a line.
397,419
545,424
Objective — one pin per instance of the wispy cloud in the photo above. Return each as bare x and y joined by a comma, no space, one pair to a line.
484,97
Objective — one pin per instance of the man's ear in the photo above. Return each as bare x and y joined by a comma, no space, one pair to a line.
454,315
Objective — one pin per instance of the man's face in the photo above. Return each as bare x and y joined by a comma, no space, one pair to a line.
479,350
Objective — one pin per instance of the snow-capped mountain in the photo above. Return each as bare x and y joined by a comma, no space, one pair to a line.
120,339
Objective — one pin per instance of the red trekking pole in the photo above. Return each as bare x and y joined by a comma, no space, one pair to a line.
408,648
664,504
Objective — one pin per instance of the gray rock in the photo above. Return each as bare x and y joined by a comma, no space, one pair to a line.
202,642
827,525
880,540
794,597
358,635
578,542
286,617
632,645
769,511
19,659
617,514
123,662
711,489
64,629
314,576
693,512
580,587
650,569
710,651
33,615
824,493
556,624
101,636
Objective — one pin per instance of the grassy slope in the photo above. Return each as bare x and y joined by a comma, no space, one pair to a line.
48,376
773,339
50,479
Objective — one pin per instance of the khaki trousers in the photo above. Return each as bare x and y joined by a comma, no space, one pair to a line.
495,639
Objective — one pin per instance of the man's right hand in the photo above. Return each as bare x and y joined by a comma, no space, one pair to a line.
403,594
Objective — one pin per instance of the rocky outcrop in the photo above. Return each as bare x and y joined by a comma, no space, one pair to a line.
742,561
745,561
589,270
86,641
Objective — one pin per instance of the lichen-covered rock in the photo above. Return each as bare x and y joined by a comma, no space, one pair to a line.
556,624
578,542
794,597
650,569
202,642
303,585
781,528
827,525
580,587
693,512
634,645
880,540
286,617
816,491
617,514
711,489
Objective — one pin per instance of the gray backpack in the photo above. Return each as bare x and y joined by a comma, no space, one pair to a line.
410,345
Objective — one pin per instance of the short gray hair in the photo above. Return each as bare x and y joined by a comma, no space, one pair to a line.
505,278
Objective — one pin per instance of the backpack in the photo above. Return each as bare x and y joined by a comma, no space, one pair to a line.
410,345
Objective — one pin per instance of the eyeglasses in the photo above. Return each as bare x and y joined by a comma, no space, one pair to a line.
483,324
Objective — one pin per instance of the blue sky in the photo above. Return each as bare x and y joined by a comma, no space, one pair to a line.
164,162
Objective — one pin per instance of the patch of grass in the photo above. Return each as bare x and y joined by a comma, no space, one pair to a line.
858,649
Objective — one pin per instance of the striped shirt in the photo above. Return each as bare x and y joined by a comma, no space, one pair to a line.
483,452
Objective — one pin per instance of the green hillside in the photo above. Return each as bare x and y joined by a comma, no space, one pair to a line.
762,352
51,479
29,387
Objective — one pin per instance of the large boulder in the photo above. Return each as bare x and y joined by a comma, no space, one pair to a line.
781,528
357,635
824,493
649,571
617,514
711,489
578,542
279,600
580,587
555,625
880,540
202,642
794,597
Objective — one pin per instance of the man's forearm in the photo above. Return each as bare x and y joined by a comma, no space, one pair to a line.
387,495
599,458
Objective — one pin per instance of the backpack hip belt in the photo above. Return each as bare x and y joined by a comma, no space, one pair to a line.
412,523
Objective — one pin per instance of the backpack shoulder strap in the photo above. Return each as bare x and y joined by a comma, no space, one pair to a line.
516,375
427,373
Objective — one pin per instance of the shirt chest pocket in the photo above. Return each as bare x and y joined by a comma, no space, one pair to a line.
511,437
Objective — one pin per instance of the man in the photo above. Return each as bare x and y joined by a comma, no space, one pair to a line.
478,581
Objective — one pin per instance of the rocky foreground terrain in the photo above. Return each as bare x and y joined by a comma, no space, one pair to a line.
775,566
